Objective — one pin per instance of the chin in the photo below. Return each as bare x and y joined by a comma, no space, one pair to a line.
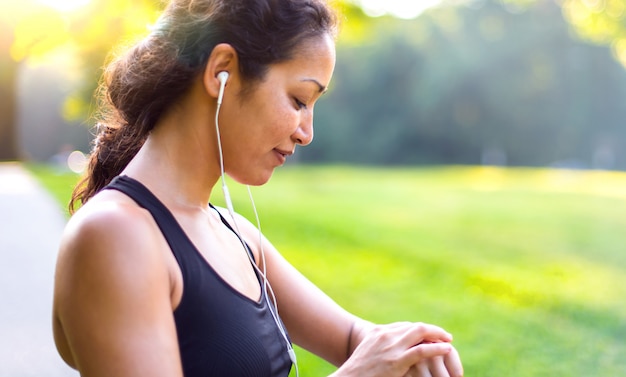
257,180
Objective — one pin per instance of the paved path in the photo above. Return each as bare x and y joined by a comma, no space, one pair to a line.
30,227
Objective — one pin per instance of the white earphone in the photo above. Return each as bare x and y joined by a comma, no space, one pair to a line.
223,77
273,307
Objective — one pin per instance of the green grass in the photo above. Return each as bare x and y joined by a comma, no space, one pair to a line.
525,267
59,182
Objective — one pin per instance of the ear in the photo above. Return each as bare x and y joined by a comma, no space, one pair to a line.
222,58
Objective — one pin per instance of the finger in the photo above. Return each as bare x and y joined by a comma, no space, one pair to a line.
422,370
423,332
425,351
453,363
437,367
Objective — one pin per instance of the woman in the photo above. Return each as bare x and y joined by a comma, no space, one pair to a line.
152,280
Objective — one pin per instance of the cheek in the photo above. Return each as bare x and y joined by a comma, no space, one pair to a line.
273,119
285,118
285,123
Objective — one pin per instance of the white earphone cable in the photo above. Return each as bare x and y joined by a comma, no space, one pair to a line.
266,287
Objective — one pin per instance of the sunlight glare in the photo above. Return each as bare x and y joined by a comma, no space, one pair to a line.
398,8
64,5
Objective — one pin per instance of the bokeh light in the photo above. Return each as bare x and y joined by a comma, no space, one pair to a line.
76,161
64,5
399,8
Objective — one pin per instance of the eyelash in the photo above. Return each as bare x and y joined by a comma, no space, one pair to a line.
301,105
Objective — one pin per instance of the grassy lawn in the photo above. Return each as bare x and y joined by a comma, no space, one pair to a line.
59,183
525,267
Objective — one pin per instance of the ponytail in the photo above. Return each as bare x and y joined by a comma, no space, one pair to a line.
140,85
136,90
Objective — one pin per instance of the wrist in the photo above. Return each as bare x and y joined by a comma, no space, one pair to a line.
358,331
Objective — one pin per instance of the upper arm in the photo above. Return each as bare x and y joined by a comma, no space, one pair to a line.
112,295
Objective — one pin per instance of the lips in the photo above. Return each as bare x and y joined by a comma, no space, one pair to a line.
284,152
282,155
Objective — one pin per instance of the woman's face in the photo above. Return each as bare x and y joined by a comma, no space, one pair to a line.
260,131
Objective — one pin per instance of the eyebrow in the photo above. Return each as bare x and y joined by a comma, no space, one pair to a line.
322,88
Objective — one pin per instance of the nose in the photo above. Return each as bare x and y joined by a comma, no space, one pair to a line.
304,133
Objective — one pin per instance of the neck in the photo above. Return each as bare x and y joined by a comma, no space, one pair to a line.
179,160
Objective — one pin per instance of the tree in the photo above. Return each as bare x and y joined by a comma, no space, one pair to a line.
8,71
599,21
28,29
460,85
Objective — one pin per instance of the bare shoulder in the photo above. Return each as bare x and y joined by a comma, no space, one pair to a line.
113,282
110,242
110,223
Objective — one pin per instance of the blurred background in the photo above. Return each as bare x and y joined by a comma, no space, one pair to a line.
497,82
468,170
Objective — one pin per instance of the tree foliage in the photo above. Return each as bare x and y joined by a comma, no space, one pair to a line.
479,81
482,84
30,30
601,21
598,21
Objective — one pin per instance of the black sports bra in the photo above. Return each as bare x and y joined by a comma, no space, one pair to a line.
220,331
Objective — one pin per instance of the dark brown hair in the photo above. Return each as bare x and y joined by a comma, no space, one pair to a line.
139,86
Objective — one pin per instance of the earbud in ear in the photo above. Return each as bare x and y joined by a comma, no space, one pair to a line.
223,77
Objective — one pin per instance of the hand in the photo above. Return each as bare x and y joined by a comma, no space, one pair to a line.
393,350
446,366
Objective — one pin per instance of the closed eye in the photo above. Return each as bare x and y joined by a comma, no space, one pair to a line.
301,105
